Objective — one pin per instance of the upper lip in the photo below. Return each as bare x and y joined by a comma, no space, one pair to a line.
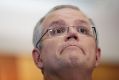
70,45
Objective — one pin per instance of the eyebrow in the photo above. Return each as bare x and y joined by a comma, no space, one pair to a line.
62,22
77,22
57,22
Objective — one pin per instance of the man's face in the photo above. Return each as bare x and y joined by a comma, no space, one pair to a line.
70,50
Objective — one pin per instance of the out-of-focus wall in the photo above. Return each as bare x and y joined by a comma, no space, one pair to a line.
8,67
106,71
27,69
23,68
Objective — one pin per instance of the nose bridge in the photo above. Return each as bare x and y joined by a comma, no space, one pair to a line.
72,29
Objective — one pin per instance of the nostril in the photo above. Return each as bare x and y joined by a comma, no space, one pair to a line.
76,37
72,37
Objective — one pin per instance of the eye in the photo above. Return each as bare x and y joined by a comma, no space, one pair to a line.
83,30
57,31
60,30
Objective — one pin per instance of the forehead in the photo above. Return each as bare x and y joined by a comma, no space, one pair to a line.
68,15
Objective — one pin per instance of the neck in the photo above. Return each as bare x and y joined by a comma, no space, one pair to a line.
69,75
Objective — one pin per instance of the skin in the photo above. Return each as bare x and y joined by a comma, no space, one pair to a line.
68,57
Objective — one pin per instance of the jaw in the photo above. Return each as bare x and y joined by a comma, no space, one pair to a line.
69,74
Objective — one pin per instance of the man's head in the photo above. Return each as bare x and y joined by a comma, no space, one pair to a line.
67,41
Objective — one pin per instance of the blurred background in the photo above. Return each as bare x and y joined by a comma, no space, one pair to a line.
17,21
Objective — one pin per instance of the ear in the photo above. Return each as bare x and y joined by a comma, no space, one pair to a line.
36,54
98,56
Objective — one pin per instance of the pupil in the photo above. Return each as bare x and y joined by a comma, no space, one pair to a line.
82,30
58,31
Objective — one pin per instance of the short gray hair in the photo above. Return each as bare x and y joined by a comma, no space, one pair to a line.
37,34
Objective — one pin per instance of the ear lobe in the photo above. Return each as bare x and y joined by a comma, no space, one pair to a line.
98,56
37,57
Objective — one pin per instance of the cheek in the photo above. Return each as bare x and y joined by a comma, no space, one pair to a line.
90,50
89,47
50,48
48,54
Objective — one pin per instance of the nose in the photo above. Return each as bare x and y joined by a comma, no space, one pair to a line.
72,34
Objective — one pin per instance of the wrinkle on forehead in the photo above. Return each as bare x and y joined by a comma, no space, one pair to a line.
63,14
62,22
